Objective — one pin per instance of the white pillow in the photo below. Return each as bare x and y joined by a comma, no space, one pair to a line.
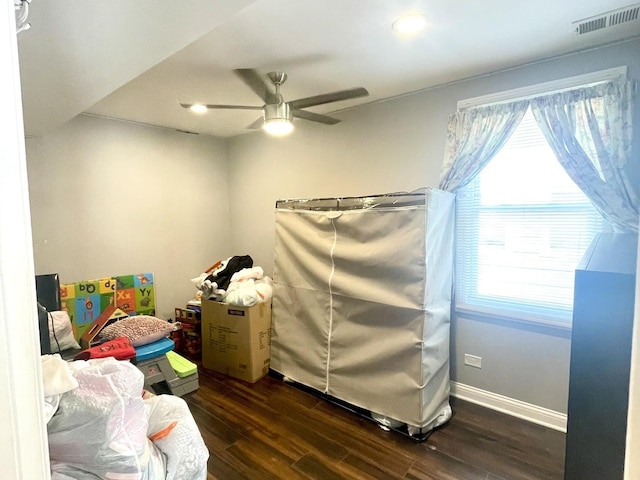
60,324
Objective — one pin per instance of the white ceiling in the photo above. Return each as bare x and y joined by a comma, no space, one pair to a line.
136,60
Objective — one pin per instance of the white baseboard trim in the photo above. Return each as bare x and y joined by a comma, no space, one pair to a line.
510,406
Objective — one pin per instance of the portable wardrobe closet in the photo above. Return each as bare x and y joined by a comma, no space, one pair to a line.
361,305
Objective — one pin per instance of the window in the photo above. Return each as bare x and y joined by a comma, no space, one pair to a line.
522,228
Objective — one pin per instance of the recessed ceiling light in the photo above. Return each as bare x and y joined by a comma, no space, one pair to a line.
410,24
198,108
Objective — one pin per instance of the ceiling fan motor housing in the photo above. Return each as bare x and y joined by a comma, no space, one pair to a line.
277,111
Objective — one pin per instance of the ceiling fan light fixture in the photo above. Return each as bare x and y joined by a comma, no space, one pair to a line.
278,127
277,120
198,108
410,24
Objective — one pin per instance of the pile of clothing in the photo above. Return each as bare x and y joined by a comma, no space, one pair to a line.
102,424
234,281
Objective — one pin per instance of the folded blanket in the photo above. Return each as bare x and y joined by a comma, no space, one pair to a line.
57,377
119,348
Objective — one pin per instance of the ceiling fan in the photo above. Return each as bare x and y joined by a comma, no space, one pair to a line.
277,114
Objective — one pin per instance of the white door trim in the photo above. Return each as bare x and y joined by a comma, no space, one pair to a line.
24,453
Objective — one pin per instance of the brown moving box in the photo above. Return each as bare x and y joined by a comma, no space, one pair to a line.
236,340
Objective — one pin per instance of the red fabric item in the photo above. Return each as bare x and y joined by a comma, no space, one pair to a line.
120,348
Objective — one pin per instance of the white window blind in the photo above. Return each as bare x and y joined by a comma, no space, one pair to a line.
522,228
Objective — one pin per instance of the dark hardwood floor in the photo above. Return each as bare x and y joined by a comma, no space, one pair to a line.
273,430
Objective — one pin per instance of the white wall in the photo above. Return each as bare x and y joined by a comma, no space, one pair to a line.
381,148
113,198
398,146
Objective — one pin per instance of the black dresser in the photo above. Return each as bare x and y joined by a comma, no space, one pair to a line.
600,359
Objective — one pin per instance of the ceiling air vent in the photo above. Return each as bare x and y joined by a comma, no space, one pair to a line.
608,19
626,15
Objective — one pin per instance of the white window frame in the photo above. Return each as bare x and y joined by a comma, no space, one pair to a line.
545,88
524,93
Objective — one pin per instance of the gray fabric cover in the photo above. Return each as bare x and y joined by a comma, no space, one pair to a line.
362,299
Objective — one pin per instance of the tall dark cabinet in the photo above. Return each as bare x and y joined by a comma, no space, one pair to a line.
600,359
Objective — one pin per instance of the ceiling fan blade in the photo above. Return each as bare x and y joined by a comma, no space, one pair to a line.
328,98
258,84
314,117
212,106
257,124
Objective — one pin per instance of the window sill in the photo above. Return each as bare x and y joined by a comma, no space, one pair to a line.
480,314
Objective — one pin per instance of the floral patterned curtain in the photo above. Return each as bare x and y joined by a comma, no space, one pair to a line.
474,137
590,131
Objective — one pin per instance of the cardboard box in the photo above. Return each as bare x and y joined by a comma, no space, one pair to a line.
236,340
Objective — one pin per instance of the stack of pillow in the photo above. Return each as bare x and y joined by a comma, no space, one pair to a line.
119,339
